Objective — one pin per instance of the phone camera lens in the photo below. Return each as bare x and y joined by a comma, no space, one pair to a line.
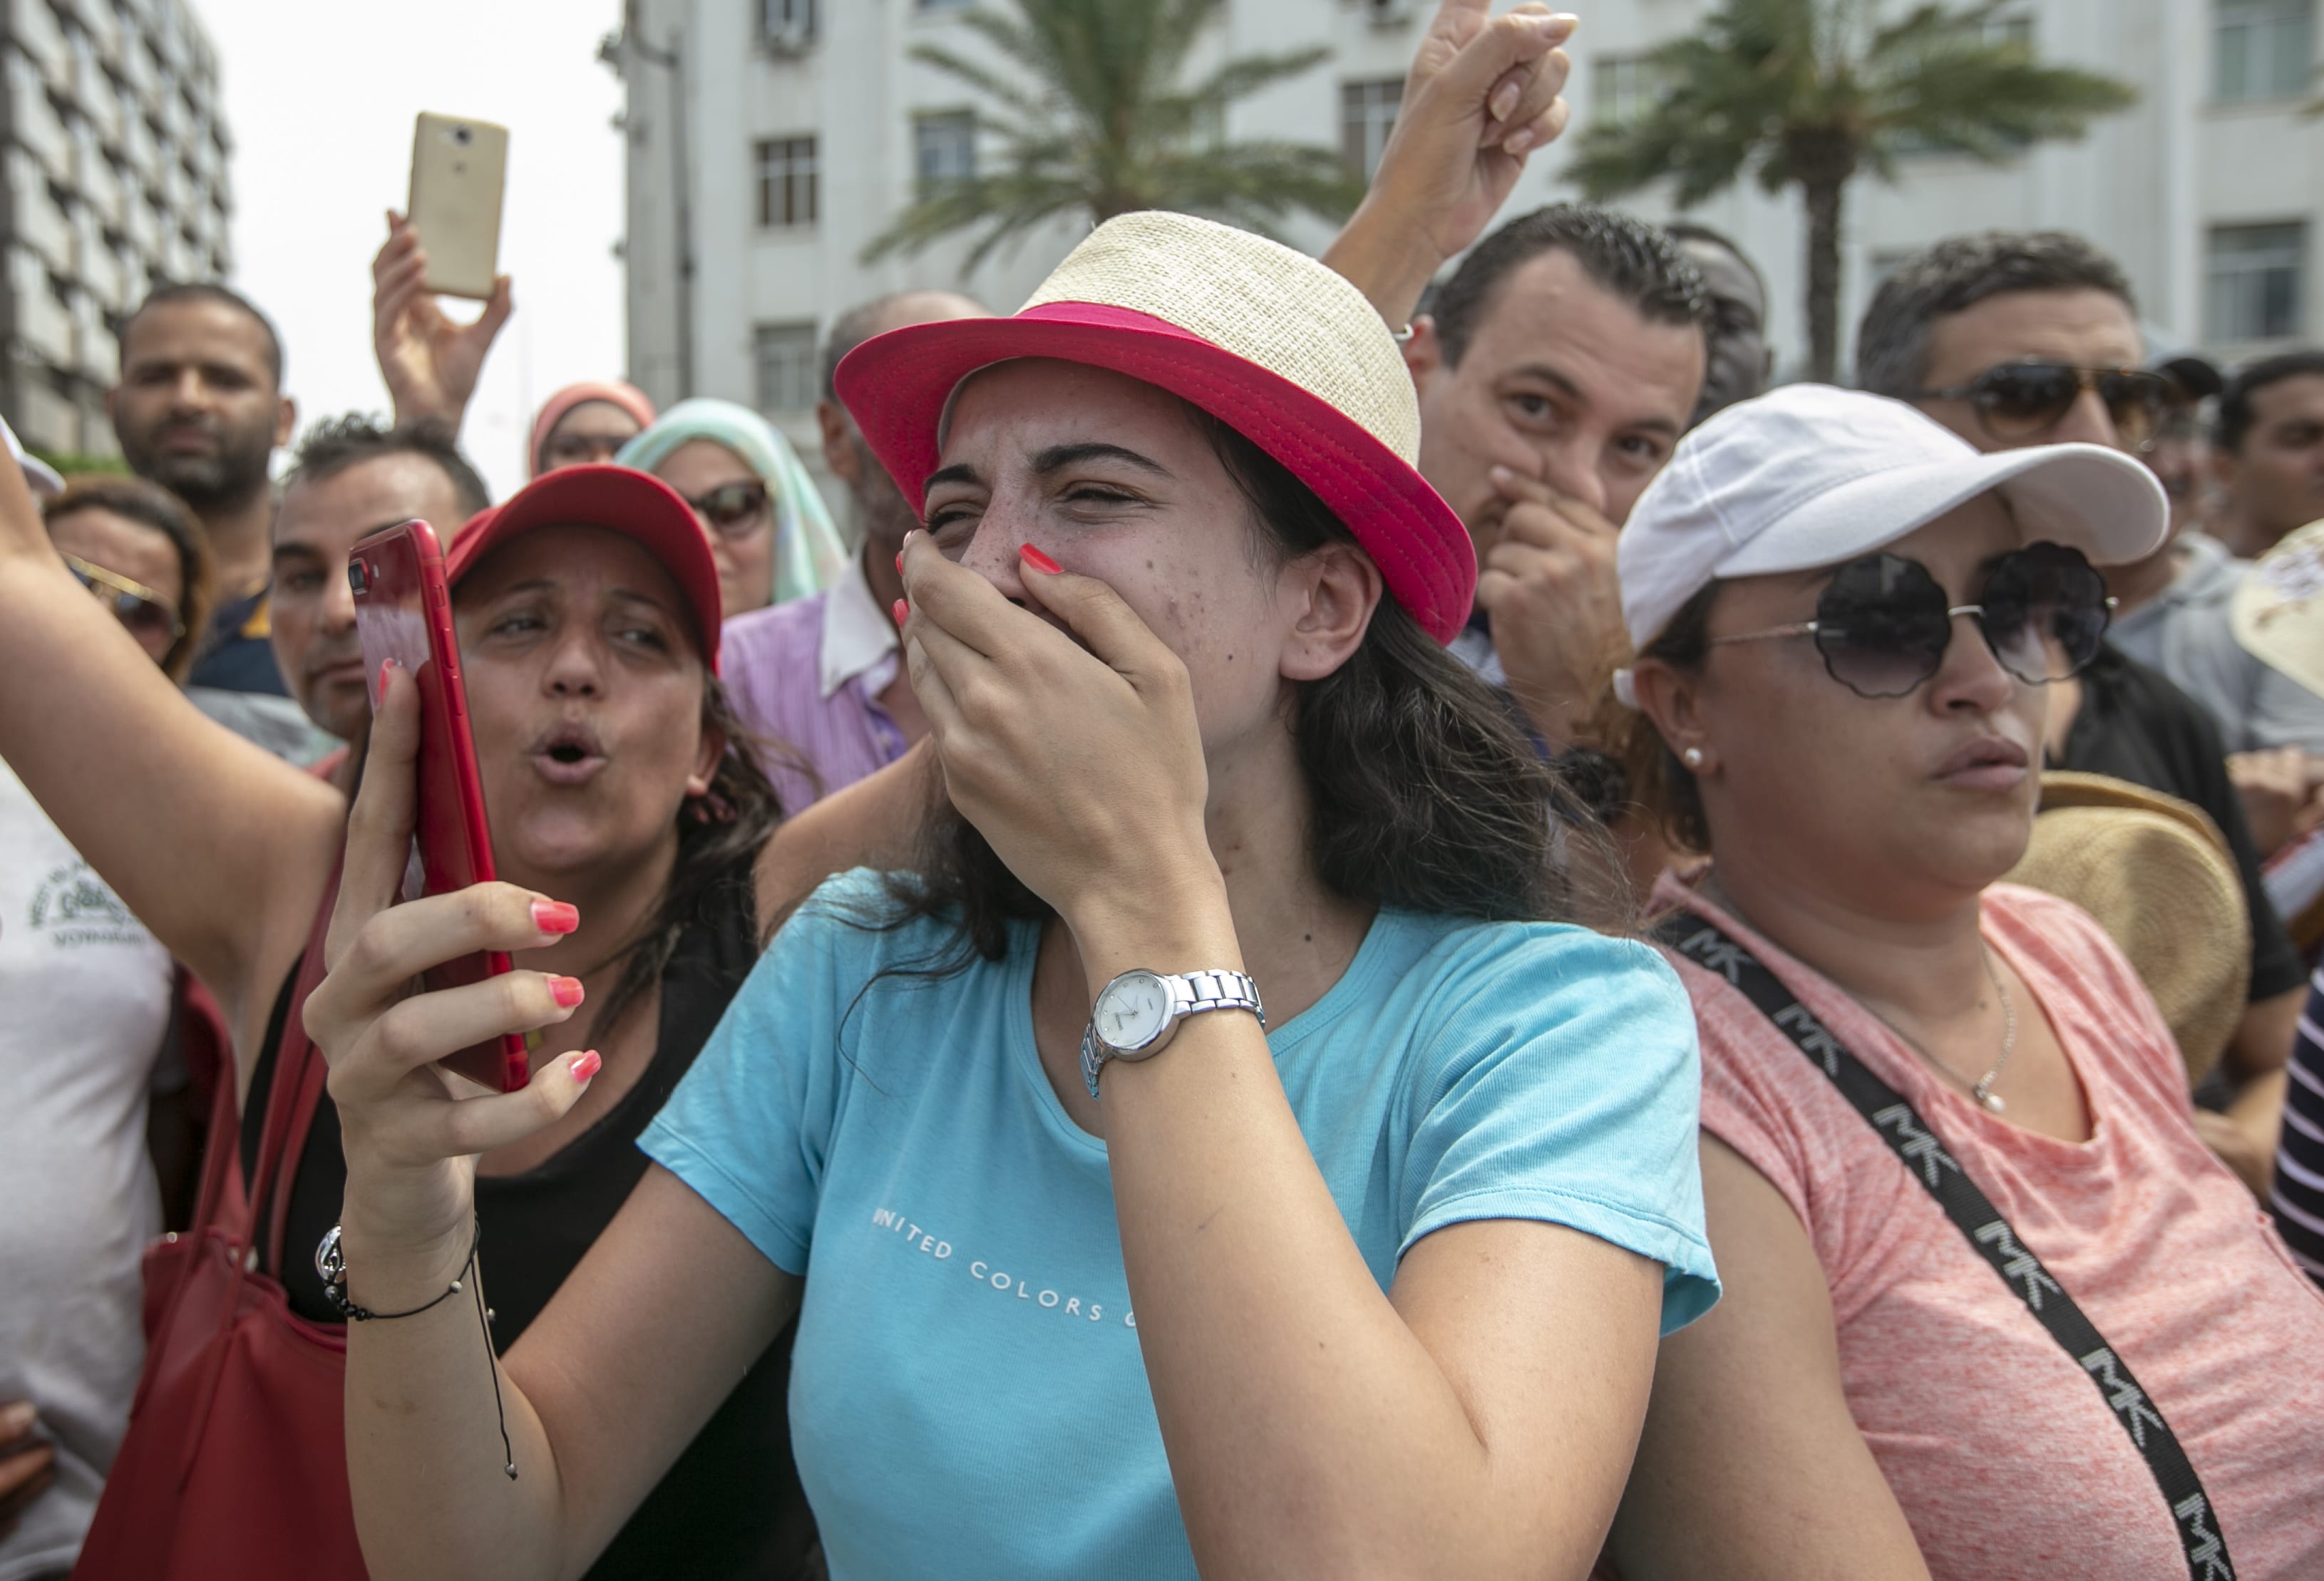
463,136
355,577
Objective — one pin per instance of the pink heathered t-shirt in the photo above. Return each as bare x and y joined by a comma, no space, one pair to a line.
2003,1455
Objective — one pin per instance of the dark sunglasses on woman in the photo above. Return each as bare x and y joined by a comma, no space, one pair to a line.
2017,403
734,510
135,605
1883,623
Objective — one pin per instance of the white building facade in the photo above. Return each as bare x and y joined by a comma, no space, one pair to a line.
806,126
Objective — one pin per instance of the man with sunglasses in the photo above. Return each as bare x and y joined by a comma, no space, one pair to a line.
2018,339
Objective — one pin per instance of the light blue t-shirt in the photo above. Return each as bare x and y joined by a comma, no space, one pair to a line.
968,1396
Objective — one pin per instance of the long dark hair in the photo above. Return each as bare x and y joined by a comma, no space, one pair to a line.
1424,791
718,835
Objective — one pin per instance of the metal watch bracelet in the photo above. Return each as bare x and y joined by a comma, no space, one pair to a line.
1191,993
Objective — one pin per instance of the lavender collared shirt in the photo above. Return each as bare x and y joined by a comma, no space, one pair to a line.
806,676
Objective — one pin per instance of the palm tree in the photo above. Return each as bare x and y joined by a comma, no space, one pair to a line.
1812,92
1095,118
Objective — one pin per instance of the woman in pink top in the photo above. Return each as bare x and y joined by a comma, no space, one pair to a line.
2091,1357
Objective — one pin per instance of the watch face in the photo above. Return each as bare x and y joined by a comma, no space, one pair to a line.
1132,1010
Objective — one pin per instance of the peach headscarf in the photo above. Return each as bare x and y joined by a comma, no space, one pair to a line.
628,397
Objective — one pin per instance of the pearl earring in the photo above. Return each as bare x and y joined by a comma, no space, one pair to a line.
1692,756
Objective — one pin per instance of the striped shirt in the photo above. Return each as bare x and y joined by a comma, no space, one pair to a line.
2298,1198
806,676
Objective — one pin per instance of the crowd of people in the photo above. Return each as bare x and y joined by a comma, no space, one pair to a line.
1348,918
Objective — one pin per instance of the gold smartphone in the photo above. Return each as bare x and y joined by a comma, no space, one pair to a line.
459,168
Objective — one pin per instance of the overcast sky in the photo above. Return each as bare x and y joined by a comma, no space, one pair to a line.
321,99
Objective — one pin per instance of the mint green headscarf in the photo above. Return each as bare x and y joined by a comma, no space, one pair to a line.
808,554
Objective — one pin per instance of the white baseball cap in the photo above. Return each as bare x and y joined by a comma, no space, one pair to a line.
1808,475
38,476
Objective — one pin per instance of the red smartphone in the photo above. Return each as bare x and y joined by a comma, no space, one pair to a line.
403,611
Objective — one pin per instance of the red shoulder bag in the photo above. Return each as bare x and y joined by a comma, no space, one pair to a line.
235,1464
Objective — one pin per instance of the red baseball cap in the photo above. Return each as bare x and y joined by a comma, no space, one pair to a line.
1266,339
638,505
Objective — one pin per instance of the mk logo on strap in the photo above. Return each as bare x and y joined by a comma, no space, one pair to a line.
1812,1038
1918,1147
2018,1264
1715,951
2207,1553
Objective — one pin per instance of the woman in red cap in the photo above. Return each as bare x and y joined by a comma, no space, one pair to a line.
587,609
1223,1151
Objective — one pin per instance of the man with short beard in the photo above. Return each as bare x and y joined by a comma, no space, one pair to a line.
199,411
821,679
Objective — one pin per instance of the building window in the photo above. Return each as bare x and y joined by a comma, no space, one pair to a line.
2263,50
1624,87
786,24
1367,116
944,149
788,380
2254,283
787,182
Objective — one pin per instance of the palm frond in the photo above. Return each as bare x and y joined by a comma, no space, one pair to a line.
1248,74
981,77
1093,112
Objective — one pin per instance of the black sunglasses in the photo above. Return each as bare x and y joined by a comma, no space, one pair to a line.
2018,402
734,510
1883,623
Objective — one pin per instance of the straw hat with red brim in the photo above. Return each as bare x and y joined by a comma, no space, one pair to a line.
1266,340
638,505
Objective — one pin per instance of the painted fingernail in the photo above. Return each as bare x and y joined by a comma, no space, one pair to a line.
900,562
567,991
901,611
1039,561
554,916
584,1066
1505,100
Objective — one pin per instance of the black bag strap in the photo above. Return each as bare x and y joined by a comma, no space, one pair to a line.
1922,1153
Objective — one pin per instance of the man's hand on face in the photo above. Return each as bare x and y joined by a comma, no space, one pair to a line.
1547,582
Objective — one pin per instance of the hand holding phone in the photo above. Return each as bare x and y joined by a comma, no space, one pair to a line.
403,611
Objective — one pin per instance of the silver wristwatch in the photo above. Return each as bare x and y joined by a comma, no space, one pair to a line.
1136,1013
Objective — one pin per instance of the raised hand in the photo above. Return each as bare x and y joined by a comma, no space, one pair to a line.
430,362
411,1138
1481,96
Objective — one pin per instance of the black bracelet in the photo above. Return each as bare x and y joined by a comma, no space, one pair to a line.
331,1263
